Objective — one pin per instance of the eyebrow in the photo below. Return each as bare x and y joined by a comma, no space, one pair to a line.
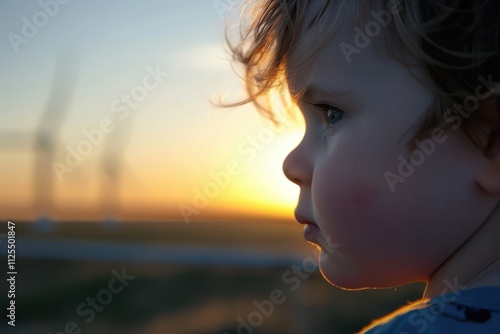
317,92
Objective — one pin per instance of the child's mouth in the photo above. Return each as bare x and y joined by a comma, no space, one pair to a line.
312,232
311,229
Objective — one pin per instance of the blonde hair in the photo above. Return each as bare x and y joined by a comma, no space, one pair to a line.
454,41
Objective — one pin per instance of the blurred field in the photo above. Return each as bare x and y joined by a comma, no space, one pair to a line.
271,235
184,299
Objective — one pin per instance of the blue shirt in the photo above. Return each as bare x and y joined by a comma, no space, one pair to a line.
475,311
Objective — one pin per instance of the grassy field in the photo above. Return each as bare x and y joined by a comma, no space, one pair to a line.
53,296
271,235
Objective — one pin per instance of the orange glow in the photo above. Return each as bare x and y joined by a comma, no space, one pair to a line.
262,186
174,146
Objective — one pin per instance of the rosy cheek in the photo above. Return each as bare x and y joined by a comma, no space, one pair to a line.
349,194
345,204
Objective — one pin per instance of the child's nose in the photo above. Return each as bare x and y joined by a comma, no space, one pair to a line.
297,167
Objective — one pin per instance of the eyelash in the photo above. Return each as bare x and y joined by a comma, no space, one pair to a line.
329,111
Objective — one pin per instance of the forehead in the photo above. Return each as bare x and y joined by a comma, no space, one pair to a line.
340,64
314,41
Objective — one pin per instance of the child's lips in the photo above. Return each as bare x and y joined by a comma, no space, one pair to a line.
311,229
303,220
312,233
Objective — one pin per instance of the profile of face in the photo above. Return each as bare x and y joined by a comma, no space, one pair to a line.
360,119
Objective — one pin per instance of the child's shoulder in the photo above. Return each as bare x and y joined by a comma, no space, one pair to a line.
465,311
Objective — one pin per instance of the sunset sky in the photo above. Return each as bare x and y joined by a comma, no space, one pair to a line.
145,75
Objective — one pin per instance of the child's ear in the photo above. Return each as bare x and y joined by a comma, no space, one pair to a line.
489,178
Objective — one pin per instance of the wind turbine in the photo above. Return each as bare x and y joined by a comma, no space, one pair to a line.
47,134
111,169
114,168
43,140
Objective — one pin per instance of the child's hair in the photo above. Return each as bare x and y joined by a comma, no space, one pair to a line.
455,42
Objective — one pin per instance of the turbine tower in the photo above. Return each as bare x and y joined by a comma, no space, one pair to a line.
114,168
43,140
47,133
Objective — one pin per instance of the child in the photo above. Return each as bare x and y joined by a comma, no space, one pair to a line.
400,161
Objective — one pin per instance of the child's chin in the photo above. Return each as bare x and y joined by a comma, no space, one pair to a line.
336,277
347,281
346,284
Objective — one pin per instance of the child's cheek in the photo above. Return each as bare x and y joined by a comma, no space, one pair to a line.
345,186
353,205
343,203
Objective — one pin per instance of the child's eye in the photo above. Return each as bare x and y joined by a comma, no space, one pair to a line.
331,114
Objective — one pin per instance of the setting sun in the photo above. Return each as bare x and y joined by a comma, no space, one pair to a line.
139,136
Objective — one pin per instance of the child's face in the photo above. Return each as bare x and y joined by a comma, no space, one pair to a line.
385,237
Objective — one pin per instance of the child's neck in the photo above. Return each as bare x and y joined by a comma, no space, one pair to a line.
476,263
